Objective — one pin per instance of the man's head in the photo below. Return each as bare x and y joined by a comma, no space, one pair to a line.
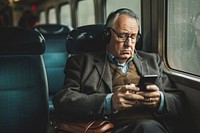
121,33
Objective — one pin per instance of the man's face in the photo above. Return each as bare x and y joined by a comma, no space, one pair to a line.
121,46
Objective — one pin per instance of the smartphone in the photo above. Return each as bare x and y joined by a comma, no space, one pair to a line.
146,80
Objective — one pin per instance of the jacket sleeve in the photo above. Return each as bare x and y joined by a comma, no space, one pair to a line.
174,99
79,97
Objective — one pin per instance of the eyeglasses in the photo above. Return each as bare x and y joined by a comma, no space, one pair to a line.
124,36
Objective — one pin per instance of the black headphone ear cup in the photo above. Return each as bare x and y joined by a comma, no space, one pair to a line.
107,35
139,43
138,36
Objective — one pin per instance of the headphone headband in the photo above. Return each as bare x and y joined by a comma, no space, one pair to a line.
126,11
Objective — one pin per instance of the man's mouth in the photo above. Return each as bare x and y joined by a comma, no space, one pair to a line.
125,52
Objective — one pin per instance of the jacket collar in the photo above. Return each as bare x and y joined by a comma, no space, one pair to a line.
140,64
102,65
104,71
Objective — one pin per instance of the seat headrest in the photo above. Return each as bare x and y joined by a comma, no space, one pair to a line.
88,38
20,41
52,29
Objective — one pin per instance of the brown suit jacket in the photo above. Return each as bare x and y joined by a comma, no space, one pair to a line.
88,80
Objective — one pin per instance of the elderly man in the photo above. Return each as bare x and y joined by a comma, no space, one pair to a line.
104,84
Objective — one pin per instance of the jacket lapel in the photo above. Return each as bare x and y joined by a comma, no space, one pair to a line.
103,69
140,64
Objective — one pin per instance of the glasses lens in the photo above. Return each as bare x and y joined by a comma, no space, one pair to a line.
124,36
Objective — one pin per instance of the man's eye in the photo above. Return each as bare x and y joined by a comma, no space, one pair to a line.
133,36
122,36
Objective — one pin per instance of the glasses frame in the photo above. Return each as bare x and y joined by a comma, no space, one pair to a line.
124,36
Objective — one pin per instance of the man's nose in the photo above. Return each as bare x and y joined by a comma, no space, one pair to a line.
129,41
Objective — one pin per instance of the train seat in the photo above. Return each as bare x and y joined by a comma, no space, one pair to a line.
87,38
23,82
55,56
90,38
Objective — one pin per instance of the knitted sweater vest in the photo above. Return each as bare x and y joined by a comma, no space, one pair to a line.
119,80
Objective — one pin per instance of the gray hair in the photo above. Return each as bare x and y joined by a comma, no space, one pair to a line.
114,15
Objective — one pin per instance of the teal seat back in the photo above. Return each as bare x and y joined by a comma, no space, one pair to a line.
23,82
55,56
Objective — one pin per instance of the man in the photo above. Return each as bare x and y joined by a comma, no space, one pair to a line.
104,84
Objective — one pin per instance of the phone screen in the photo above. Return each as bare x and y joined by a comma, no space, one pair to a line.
146,80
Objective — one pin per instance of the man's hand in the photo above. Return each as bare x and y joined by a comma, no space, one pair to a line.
151,97
126,97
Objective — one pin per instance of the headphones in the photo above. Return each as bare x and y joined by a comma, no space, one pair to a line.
112,15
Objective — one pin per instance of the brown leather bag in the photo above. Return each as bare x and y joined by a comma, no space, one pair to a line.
96,126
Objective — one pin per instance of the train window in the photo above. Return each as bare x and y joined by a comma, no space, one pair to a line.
65,15
52,16
86,12
134,5
42,17
183,35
